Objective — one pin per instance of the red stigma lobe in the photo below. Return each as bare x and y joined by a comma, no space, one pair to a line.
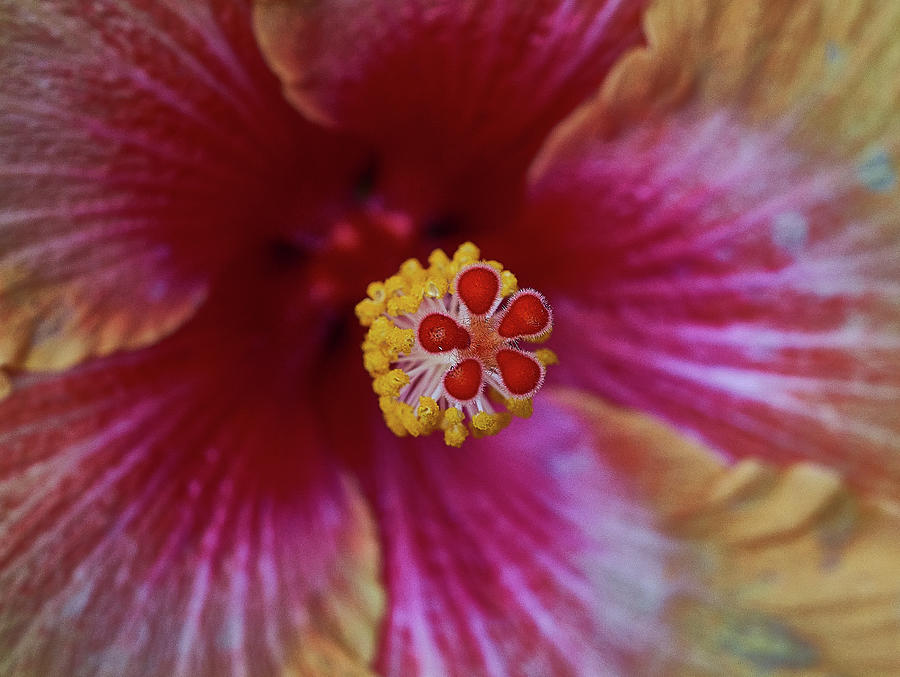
521,374
478,288
439,333
526,315
463,382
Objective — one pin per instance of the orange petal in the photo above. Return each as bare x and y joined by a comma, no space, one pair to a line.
320,656
341,637
813,62
785,570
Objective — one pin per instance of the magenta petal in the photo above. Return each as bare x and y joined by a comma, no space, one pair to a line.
141,144
720,237
515,555
444,88
158,521
744,291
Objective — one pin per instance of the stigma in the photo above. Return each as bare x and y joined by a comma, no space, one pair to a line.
444,346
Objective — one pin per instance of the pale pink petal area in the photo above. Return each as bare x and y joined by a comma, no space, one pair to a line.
522,554
161,514
443,88
142,143
727,256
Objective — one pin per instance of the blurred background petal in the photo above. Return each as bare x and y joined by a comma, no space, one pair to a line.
449,93
779,571
719,233
521,554
142,144
167,512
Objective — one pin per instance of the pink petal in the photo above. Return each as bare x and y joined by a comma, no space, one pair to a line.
722,265
516,555
162,516
141,144
443,87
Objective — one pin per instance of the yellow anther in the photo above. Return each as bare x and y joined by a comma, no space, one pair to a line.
452,416
395,285
509,285
546,357
390,410
400,340
376,362
438,260
417,290
412,270
384,343
435,287
455,433
484,424
390,383
376,291
379,329
521,408
408,419
403,305
466,253
428,414
368,310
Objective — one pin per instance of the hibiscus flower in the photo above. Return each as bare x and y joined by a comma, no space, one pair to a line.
195,475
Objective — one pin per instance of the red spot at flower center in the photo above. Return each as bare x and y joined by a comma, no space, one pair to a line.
347,256
439,333
479,288
521,374
527,315
463,382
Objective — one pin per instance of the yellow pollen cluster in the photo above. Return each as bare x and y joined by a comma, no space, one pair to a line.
402,295
384,343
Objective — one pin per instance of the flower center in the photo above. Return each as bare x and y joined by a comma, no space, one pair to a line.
444,353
